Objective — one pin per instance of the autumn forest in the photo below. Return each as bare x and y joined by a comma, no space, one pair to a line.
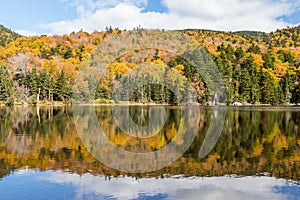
255,67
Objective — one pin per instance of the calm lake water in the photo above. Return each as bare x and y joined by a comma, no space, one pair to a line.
52,153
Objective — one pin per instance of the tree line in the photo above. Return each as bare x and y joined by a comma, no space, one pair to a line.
256,68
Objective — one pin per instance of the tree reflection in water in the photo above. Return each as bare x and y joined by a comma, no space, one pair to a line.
253,141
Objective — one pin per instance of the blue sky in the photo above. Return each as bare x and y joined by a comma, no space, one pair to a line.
31,17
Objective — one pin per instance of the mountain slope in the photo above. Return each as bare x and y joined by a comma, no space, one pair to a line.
256,67
6,35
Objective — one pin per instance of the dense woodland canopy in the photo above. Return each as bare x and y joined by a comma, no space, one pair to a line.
256,67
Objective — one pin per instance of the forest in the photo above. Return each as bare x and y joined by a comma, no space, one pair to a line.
255,67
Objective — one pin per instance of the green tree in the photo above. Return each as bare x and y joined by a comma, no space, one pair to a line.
270,90
245,85
68,53
250,87
5,85
239,53
269,60
62,88
254,49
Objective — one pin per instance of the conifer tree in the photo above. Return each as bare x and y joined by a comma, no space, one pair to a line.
5,85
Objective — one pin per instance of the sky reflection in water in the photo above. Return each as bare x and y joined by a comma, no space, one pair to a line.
30,184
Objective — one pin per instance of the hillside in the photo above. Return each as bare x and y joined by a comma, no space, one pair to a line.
6,35
256,67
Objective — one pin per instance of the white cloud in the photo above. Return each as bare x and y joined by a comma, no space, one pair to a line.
262,15
89,6
26,33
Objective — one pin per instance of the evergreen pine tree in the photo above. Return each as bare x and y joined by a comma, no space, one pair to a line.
5,85
62,89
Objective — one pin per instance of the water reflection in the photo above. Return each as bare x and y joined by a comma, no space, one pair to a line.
61,185
253,141
142,151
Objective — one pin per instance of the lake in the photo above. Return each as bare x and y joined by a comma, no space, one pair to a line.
149,152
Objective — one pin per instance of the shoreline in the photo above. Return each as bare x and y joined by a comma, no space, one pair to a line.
58,104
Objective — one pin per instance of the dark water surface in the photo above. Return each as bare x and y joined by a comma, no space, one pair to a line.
42,155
